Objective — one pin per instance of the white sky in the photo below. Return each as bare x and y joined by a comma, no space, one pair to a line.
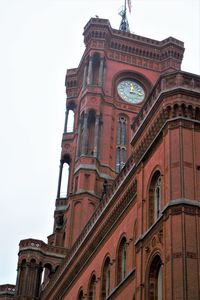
40,39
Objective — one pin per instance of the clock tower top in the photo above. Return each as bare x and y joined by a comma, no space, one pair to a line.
104,94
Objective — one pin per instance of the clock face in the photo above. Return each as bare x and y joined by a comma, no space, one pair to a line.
131,91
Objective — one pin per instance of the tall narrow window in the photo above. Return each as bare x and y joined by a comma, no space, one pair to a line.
121,261
63,177
92,288
134,240
106,279
91,132
69,118
80,295
155,198
155,288
64,181
70,123
95,66
121,143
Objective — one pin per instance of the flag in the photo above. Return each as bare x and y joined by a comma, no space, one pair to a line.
129,5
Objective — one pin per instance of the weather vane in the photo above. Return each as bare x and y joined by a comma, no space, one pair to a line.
124,25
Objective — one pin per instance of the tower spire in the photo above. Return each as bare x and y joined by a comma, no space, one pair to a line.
124,25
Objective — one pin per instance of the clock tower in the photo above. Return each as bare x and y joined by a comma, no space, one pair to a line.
104,95
128,189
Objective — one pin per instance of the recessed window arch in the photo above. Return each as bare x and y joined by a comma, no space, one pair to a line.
154,280
91,131
47,273
95,68
70,117
155,196
105,290
80,295
64,175
134,240
121,260
92,288
122,130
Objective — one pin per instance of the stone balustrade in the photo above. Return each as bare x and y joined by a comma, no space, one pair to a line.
7,289
40,245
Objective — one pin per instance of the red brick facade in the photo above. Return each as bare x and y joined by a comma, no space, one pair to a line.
124,230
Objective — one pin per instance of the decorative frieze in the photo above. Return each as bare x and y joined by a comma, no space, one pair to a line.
153,242
180,254
135,61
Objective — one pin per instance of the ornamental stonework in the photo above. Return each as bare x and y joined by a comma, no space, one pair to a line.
156,241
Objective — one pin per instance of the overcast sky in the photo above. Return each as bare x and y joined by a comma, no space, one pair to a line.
40,39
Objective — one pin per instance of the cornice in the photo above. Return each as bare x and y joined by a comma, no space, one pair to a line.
7,290
91,167
181,202
38,246
167,85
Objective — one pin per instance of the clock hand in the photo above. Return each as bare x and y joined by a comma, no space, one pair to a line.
138,93
132,89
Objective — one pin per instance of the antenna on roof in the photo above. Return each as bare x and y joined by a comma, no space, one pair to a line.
124,25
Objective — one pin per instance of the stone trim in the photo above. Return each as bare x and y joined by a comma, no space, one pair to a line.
172,203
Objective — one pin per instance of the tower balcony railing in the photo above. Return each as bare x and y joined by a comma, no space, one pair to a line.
7,290
41,246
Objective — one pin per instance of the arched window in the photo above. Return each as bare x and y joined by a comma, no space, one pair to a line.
70,123
69,118
106,279
91,132
121,143
155,198
46,274
134,240
95,68
80,295
88,134
92,288
65,165
155,289
121,261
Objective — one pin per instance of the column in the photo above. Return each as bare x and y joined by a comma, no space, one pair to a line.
66,120
85,134
59,179
78,150
89,77
85,76
101,71
38,280
18,281
96,136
